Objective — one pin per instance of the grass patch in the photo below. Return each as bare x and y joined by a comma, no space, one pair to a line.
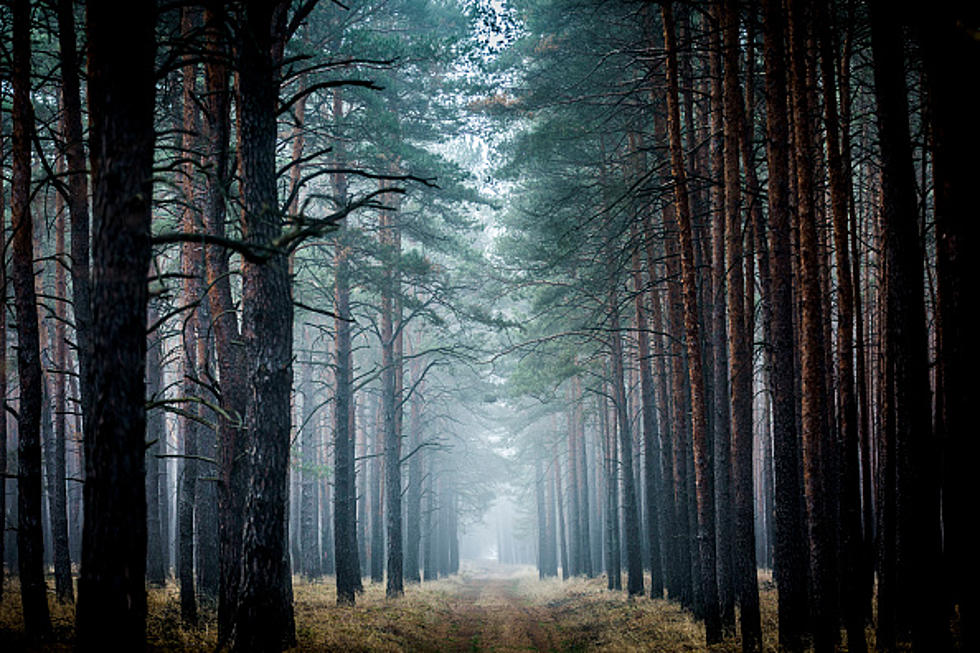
484,608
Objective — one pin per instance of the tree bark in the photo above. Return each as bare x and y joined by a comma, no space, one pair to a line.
308,509
391,363
30,548
111,592
814,390
631,511
702,463
78,207
413,532
58,506
739,350
190,264
3,395
851,544
947,52
264,618
232,462
721,418
916,488
651,431
156,536
346,556
790,571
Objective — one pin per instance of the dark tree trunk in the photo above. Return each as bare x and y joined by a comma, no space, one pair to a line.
544,548
232,463
631,511
651,433
584,513
64,587
916,488
156,537
111,591
205,494
264,619
851,554
77,198
429,572
30,548
346,558
576,564
720,417
376,505
614,580
815,428
453,530
947,52
562,541
790,568
391,362
77,182
3,396
550,520
190,264
702,462
740,351
308,509
326,514
413,532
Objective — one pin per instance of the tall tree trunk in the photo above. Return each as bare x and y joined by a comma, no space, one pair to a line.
542,519
631,511
917,499
3,389
111,590
789,555
739,349
30,549
232,462
720,417
326,505
815,428
308,512
851,554
413,532
550,520
610,470
264,619
429,572
562,541
651,431
391,362
948,50
346,556
78,205
64,588
585,514
576,564
156,536
205,495
376,505
702,463
192,331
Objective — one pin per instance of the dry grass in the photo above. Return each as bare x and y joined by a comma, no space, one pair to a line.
484,608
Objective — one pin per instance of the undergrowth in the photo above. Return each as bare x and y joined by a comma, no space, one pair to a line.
481,609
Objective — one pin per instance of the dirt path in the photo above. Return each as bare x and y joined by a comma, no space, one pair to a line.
493,614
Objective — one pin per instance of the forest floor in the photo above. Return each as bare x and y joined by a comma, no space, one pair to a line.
486,607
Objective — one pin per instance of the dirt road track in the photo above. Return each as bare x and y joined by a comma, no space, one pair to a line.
493,615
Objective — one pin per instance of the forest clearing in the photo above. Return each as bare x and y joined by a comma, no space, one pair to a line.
449,325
